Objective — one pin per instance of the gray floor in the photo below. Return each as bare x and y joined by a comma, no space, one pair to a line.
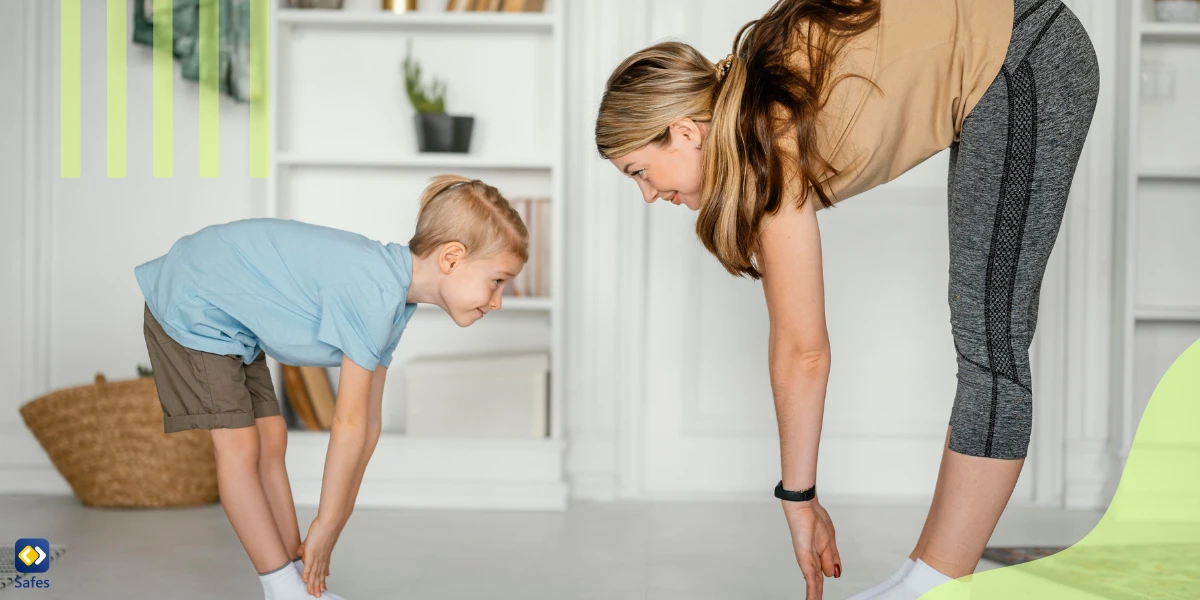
619,551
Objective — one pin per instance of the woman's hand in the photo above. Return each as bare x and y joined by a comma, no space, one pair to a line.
815,544
317,547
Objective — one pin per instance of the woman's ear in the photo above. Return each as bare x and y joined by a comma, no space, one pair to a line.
450,255
688,133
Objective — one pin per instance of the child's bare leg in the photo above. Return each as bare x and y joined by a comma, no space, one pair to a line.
272,471
243,498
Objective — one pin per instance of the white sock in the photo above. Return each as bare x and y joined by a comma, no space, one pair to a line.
299,562
920,579
891,580
283,583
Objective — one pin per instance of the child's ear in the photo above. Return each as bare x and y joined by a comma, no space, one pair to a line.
450,255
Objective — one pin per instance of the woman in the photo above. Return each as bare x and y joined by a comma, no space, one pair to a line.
824,99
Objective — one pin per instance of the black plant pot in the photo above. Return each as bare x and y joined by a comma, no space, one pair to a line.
443,133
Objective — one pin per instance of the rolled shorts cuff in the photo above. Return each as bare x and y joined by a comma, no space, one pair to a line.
217,421
268,408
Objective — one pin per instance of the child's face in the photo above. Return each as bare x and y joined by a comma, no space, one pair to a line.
472,288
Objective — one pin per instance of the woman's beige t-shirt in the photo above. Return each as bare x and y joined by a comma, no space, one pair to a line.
930,62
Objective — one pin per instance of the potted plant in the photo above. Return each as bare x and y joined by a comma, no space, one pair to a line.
436,130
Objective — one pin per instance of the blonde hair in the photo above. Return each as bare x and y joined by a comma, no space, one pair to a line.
471,212
745,98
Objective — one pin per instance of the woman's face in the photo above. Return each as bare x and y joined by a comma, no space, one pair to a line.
673,172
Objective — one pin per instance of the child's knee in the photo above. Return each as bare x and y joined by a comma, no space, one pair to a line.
272,448
272,441
236,446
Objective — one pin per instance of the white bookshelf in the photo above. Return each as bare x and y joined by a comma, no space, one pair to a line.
1170,173
1158,191
458,21
420,161
344,155
1153,30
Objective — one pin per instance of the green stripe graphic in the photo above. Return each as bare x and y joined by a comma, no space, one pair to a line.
210,87
116,75
260,126
69,96
164,75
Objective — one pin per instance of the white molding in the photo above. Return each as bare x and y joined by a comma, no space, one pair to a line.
607,288
440,473
488,495
591,464
40,136
24,466
1090,482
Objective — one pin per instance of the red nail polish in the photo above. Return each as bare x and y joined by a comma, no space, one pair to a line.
837,571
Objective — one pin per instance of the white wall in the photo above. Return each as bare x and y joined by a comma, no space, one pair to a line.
99,229
12,179
104,227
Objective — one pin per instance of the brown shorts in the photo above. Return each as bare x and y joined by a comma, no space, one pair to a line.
200,390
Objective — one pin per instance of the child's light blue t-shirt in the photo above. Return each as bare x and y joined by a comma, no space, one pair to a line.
302,293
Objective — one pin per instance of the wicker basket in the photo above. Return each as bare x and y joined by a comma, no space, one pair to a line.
107,440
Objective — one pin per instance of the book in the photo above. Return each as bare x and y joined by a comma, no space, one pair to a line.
534,278
296,393
320,394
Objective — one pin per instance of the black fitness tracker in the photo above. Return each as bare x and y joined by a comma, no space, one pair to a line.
801,496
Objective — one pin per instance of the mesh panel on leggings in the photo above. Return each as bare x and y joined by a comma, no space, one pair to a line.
1011,211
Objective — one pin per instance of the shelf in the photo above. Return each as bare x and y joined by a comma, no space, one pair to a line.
536,22
1170,173
525,303
1167,313
420,161
1171,31
508,304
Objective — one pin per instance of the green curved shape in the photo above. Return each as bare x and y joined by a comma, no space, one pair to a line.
1147,544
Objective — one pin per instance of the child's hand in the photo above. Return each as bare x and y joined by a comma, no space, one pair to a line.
315,551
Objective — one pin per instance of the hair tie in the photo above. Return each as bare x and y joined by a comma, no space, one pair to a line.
723,67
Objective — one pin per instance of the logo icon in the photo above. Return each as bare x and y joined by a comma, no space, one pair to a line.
32,555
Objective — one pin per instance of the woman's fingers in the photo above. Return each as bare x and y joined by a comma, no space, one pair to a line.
812,578
827,562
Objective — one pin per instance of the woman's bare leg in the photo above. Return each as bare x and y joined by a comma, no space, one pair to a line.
970,496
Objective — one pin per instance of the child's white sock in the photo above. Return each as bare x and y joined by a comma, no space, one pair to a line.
921,579
281,584
891,580
299,562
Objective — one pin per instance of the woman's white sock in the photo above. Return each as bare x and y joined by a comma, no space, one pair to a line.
921,579
891,581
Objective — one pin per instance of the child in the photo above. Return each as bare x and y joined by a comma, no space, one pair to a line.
307,295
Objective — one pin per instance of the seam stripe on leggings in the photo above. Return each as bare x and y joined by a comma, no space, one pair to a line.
1015,190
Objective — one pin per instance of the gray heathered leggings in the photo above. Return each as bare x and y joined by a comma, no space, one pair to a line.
1009,178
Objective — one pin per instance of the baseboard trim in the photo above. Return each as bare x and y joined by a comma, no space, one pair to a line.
493,495
1089,474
